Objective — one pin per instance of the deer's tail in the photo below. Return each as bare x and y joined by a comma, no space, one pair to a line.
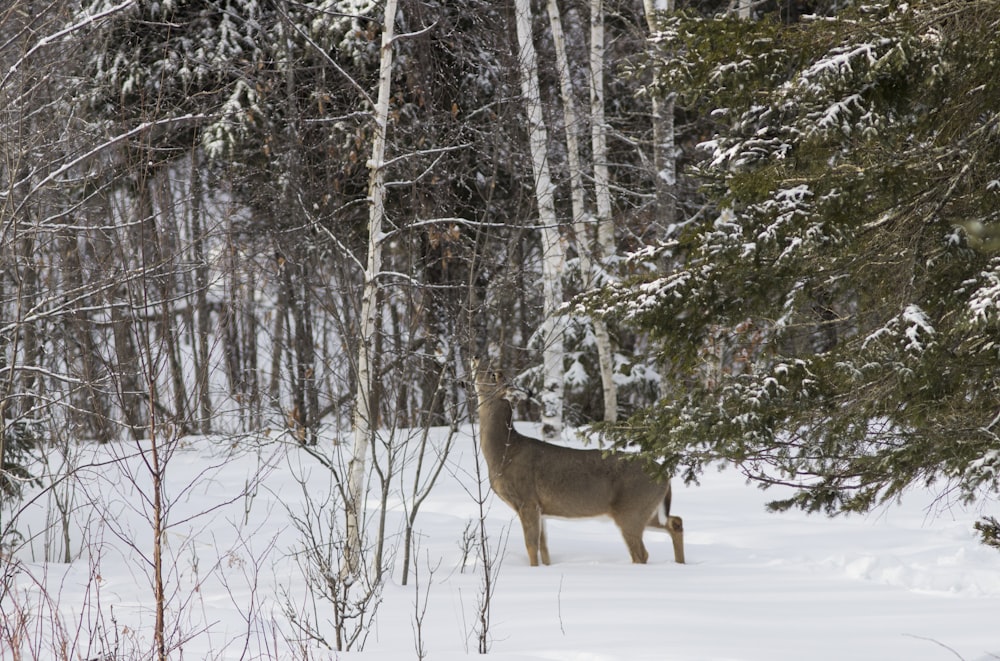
663,510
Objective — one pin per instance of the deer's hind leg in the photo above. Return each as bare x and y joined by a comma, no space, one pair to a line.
662,518
675,526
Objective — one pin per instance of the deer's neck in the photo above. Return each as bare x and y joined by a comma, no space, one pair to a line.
496,431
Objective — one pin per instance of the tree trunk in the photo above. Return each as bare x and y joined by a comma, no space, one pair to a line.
131,250
277,348
664,157
31,347
307,398
553,258
250,374
301,350
602,194
229,322
167,234
91,403
202,327
571,127
363,406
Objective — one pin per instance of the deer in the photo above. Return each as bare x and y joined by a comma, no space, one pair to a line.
539,479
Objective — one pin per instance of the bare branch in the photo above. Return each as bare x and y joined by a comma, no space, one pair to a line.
52,38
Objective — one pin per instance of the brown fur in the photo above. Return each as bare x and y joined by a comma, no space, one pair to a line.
539,479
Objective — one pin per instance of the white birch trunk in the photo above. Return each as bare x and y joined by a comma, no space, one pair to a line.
602,194
553,257
664,156
364,415
581,221
598,130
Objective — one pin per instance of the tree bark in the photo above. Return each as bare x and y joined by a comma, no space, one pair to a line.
602,193
364,412
202,328
277,346
664,157
553,257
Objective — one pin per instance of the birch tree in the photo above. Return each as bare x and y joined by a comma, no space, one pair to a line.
364,411
553,257
664,159
582,220
602,193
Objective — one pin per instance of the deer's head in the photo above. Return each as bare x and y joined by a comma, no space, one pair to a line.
491,384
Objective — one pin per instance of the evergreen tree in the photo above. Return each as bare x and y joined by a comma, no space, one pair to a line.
833,324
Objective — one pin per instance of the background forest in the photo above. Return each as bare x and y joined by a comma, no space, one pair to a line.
761,234
197,174
186,213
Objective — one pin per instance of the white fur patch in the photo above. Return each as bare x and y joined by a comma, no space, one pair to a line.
661,513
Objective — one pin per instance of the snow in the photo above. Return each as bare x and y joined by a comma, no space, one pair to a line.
839,114
912,324
908,581
918,327
985,301
840,60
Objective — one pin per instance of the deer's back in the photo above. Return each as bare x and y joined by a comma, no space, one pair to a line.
569,482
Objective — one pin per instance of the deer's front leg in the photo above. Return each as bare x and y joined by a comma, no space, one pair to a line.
543,544
531,524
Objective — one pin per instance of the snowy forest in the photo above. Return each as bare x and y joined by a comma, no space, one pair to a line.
758,235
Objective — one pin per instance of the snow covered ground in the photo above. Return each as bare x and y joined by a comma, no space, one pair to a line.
906,582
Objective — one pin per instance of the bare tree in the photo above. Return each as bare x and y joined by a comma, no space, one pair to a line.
364,409
340,607
424,479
